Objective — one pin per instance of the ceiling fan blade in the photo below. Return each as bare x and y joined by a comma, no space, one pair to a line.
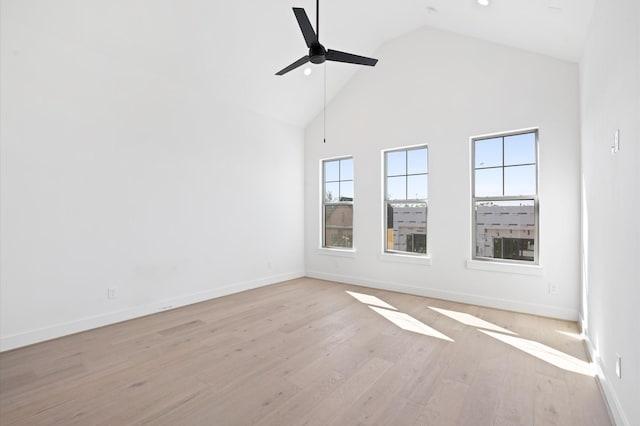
294,65
337,56
309,35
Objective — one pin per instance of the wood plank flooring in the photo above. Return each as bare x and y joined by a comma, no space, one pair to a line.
306,352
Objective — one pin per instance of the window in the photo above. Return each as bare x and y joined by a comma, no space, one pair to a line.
505,197
405,197
337,205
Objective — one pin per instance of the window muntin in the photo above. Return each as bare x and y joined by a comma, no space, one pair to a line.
505,198
406,190
337,203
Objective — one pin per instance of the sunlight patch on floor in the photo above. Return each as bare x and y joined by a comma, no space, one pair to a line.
370,300
471,320
577,336
407,322
546,353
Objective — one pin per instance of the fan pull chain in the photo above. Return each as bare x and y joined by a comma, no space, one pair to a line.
324,109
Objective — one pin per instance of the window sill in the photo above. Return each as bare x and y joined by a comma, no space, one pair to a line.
510,268
337,252
403,258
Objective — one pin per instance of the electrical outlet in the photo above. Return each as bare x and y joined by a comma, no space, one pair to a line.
619,366
112,293
553,288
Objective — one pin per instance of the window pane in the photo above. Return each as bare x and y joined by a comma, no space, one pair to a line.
520,180
488,182
407,227
417,161
396,163
346,190
331,171
346,169
338,230
505,229
520,149
397,188
417,187
488,153
331,191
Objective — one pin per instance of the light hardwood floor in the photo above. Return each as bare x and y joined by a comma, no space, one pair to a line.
307,352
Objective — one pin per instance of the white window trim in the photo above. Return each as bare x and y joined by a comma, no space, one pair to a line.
511,268
339,252
333,251
398,256
505,265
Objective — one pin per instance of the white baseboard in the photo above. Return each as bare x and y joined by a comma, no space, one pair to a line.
613,403
58,330
472,299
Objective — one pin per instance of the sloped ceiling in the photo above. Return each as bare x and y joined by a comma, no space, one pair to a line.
231,50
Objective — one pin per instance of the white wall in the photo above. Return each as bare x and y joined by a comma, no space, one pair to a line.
610,100
439,88
116,174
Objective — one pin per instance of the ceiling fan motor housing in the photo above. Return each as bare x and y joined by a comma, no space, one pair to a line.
317,53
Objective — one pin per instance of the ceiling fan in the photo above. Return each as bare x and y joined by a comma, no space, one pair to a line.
317,53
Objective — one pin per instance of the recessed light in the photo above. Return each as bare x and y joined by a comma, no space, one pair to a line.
307,71
483,2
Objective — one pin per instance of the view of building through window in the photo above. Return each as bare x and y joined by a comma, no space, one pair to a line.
337,206
505,231
505,197
406,182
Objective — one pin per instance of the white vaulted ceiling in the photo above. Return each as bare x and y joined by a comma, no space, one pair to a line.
231,49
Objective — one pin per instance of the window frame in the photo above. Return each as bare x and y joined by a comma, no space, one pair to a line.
324,203
385,202
507,198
